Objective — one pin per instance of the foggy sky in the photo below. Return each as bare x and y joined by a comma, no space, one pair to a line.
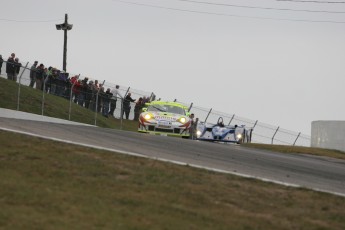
237,60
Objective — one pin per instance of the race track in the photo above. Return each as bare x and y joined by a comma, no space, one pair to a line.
318,173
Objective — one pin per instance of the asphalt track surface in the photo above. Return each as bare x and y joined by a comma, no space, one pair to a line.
317,173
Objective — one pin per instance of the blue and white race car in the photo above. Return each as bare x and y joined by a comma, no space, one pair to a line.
223,133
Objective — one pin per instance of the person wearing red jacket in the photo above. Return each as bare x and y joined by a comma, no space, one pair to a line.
76,90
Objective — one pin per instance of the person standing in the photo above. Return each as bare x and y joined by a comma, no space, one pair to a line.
17,66
127,105
192,127
83,90
93,101
10,67
61,83
146,99
47,81
113,99
88,94
1,61
137,108
106,101
33,74
100,95
53,80
39,76
74,82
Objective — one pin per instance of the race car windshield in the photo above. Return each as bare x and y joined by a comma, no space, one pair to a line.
167,108
156,108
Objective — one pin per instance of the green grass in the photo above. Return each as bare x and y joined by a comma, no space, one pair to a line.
50,185
299,150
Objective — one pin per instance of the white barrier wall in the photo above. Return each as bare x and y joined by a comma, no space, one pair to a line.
328,134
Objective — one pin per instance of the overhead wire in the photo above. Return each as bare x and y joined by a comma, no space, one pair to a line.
30,21
262,8
312,1
229,15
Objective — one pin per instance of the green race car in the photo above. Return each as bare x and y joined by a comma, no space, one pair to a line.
165,118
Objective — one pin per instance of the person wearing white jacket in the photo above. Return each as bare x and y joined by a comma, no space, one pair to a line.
113,100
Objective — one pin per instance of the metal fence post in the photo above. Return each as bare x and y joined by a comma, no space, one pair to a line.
274,135
70,99
152,97
96,110
19,83
297,138
250,135
122,112
252,129
255,124
231,119
44,89
208,114
190,107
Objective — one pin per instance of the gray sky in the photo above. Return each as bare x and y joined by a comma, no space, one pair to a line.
232,58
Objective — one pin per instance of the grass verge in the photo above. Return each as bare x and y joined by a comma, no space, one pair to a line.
299,150
50,185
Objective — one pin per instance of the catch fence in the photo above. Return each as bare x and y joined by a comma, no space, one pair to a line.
262,132
66,89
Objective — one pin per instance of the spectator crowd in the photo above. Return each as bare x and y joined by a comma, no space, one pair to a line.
84,92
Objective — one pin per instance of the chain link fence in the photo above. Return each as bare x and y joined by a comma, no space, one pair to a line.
262,132
71,87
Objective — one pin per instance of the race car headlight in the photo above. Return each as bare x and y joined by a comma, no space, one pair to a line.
182,120
148,116
239,136
198,133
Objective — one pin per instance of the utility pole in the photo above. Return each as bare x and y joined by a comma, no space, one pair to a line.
65,27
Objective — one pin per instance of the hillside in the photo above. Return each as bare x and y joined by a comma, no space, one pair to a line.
30,100
50,185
